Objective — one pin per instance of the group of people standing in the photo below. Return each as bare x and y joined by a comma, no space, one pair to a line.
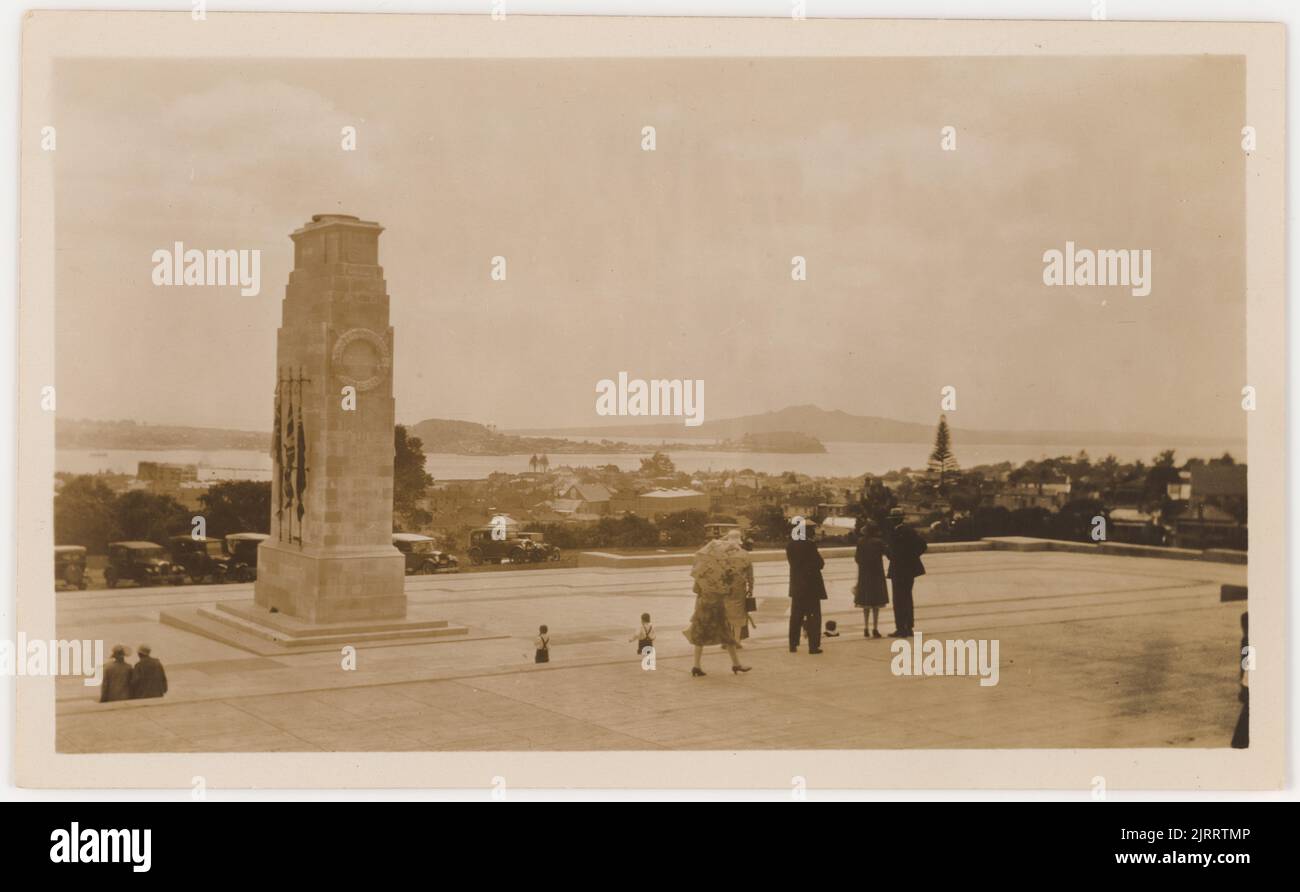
724,587
903,546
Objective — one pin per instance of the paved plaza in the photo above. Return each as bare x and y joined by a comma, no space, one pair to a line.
1095,651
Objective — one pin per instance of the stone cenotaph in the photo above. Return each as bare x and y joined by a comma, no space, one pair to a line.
328,573
330,557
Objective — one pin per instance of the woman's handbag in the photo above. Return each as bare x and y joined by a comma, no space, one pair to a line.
751,604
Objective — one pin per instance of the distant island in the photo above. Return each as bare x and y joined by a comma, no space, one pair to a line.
79,433
439,435
838,426
471,438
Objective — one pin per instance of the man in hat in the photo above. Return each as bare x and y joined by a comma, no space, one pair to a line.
807,588
905,549
117,678
147,678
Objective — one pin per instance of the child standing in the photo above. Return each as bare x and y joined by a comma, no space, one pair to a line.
870,593
543,643
645,636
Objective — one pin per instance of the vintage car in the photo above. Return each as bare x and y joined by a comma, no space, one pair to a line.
70,566
719,530
144,563
487,548
242,551
421,556
201,558
540,548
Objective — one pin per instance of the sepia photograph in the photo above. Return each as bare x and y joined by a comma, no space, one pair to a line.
904,401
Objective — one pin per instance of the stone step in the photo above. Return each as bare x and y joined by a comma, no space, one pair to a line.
332,635
292,627
227,628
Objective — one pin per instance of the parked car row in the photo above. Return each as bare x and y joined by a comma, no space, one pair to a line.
232,559
487,545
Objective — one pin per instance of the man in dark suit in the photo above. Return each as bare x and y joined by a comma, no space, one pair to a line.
148,679
117,678
807,588
905,549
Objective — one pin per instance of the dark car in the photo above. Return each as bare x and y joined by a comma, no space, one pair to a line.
541,549
70,566
242,549
200,558
485,548
144,563
421,556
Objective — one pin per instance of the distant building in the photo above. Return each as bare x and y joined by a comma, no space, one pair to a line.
177,481
1207,526
569,510
670,501
837,527
623,502
1134,526
742,483
1182,490
1217,481
166,473
564,481
1050,493
836,521
592,498
799,509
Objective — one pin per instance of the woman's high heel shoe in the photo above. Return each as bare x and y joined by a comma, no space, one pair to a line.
696,672
736,670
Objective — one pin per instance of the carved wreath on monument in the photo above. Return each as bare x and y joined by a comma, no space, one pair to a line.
361,358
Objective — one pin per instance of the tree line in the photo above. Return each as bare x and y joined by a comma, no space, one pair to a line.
88,512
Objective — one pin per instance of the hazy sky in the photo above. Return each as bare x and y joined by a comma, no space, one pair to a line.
924,266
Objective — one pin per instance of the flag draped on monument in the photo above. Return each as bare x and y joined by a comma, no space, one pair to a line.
287,462
276,444
300,454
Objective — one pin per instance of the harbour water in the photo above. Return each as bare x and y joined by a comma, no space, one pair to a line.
839,460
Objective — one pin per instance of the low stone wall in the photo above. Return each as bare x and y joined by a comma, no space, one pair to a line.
1024,543
758,555
997,543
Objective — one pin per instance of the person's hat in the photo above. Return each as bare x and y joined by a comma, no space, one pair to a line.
896,514
144,650
119,650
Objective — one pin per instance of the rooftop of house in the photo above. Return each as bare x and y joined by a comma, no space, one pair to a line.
1219,480
588,492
